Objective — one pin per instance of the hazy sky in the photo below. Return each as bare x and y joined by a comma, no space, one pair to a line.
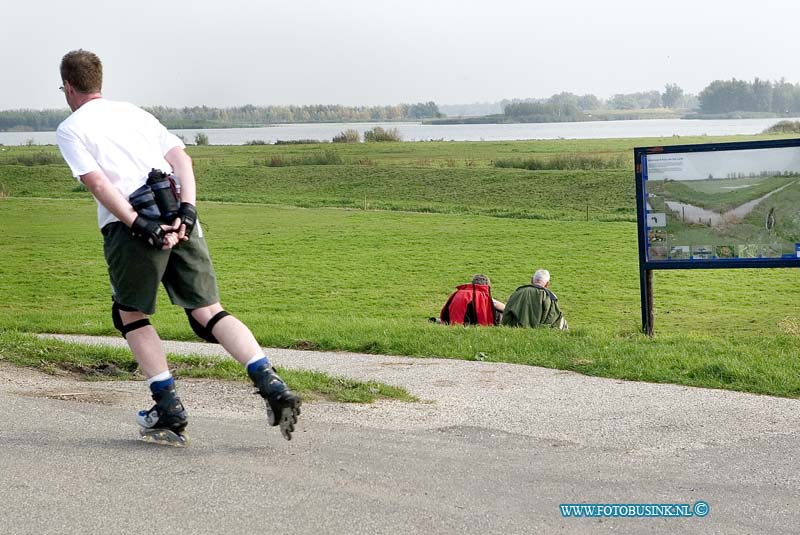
374,52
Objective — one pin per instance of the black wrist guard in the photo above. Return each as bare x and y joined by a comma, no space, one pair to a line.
188,214
148,230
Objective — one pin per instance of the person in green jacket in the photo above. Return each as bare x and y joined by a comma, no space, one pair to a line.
534,305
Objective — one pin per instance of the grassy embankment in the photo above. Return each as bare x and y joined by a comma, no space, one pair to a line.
365,280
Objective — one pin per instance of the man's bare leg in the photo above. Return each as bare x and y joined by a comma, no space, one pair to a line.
232,334
283,405
163,423
145,345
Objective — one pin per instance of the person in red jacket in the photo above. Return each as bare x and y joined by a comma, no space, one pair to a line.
472,304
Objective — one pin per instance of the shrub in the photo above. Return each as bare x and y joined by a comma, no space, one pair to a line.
255,142
298,142
378,134
200,139
347,136
565,162
784,127
35,158
329,157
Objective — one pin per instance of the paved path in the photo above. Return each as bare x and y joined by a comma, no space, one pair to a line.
491,448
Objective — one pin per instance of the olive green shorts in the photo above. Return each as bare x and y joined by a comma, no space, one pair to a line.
136,269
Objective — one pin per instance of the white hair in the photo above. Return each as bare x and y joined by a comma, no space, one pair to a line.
541,277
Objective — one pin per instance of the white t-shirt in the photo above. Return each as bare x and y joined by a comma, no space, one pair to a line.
118,138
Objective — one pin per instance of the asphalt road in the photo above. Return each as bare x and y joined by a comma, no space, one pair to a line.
492,448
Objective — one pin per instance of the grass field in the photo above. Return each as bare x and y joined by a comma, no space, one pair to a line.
446,177
305,275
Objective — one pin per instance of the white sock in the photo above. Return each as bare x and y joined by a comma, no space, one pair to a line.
163,376
256,358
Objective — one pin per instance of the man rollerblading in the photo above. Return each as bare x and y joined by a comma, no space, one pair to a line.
165,421
144,184
283,405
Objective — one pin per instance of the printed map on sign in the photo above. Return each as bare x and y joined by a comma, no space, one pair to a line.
723,204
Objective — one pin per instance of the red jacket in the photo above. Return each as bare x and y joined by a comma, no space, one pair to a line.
470,304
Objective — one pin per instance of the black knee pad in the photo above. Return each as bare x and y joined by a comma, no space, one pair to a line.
202,331
122,328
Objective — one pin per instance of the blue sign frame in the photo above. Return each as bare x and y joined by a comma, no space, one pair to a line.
647,264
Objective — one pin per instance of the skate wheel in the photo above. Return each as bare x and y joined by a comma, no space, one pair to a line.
287,422
163,437
288,419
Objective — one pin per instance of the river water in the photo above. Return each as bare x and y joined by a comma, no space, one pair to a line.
458,132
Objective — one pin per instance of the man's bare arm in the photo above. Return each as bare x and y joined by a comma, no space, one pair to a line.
182,166
109,196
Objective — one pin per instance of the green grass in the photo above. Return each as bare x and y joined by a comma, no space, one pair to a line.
97,363
440,177
367,281
305,276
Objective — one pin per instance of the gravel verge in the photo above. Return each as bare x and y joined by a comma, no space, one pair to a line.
557,406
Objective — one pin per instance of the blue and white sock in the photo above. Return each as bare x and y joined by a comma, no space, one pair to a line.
257,362
160,382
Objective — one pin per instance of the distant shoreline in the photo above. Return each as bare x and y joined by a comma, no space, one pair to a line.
418,131
594,116
486,119
601,116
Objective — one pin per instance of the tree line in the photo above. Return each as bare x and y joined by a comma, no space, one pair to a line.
569,106
726,96
718,98
249,115
31,120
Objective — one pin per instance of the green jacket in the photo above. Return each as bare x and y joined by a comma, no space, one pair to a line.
532,306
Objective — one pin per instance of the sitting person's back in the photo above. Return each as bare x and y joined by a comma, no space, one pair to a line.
534,305
472,304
